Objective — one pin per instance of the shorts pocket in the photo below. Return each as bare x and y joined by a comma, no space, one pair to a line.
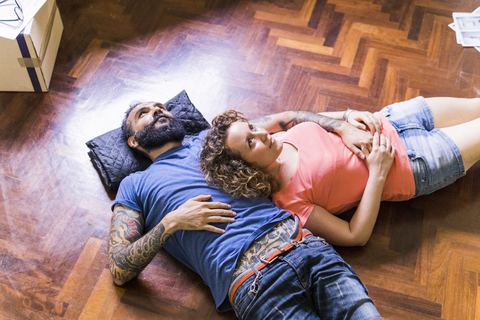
420,170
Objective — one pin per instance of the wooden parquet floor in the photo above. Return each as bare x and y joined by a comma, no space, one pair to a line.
262,57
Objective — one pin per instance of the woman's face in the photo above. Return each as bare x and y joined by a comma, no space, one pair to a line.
254,144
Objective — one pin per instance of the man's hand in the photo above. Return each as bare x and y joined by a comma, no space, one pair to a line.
353,138
198,213
130,251
365,120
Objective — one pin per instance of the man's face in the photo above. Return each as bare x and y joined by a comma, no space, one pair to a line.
144,113
154,126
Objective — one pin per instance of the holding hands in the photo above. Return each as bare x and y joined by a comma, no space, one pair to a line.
364,120
359,130
380,159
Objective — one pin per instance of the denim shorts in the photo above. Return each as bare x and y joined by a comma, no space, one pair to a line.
435,159
308,282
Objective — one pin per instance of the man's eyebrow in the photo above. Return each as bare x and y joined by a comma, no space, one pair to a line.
138,111
156,104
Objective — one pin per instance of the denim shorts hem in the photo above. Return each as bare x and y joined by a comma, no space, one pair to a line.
435,159
458,171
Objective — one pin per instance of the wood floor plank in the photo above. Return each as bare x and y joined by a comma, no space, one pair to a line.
262,57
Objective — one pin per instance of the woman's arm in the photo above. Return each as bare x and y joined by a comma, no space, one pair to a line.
356,232
359,229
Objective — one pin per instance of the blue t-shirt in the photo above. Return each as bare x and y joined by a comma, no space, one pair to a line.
172,179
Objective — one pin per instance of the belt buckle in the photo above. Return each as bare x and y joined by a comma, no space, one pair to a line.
297,243
266,261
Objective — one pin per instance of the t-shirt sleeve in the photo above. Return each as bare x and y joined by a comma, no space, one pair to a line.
298,206
126,194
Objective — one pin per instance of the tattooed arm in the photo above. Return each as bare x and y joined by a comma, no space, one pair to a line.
329,121
286,120
130,251
352,137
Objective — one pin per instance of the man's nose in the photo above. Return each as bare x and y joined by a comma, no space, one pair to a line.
156,111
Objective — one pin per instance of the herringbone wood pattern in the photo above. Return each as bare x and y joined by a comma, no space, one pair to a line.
423,260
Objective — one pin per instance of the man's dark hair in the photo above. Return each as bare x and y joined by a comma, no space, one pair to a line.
126,128
149,137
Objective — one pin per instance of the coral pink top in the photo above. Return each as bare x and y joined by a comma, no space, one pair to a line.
328,174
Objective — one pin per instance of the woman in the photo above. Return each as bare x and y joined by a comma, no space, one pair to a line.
425,144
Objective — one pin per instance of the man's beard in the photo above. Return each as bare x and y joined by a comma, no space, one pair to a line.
151,138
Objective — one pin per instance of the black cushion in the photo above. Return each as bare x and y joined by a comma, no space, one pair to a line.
115,160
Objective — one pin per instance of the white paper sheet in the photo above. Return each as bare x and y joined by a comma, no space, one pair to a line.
10,30
467,28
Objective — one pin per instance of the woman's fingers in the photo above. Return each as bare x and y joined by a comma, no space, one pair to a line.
376,140
365,150
374,123
383,142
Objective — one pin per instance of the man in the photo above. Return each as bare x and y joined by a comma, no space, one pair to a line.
250,253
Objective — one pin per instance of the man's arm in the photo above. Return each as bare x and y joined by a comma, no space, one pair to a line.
330,121
353,137
286,120
363,120
130,251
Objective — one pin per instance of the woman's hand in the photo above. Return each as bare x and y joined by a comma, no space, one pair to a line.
379,160
365,120
358,230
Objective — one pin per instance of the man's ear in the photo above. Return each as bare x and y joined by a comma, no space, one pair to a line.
132,142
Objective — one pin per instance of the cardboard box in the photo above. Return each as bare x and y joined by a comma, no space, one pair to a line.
26,63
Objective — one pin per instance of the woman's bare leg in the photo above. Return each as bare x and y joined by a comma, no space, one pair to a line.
467,138
449,112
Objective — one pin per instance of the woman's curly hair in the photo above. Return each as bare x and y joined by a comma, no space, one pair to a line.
225,168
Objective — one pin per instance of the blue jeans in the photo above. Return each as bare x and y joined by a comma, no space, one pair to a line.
309,282
435,159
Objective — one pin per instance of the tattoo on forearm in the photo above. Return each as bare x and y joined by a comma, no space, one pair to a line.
261,120
326,123
129,251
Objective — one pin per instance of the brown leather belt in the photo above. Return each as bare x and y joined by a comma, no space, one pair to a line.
268,258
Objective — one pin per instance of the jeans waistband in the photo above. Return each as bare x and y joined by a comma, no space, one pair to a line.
297,239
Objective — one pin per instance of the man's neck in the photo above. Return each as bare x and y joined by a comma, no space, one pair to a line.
167,146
